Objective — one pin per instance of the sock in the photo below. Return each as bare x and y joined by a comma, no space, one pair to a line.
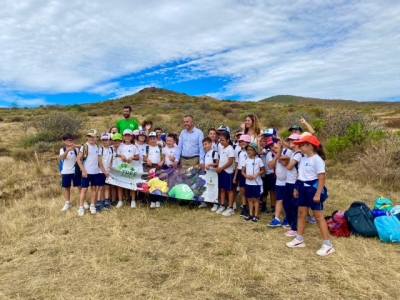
67,202
107,200
92,204
300,238
327,243
81,207
277,219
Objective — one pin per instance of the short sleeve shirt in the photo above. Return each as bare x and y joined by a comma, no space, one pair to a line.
253,166
91,163
69,162
224,156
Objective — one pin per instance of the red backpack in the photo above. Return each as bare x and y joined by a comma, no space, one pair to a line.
338,225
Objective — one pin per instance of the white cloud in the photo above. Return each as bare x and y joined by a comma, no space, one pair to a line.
315,48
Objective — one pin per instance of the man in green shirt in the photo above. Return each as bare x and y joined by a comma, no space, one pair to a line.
127,122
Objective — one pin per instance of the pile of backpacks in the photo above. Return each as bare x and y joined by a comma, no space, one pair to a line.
383,221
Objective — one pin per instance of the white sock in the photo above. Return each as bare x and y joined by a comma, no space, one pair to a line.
67,202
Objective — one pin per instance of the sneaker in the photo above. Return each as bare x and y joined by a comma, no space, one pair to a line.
263,207
234,206
98,206
203,205
86,205
255,219
119,204
291,233
158,204
326,250
285,222
215,208
107,206
311,220
92,209
274,223
152,205
228,212
287,227
295,243
81,211
248,218
269,211
220,210
244,212
65,207
133,204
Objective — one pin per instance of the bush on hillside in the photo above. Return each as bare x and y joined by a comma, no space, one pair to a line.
52,127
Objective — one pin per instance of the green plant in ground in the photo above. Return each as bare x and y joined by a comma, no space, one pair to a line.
76,108
41,147
336,145
52,127
317,124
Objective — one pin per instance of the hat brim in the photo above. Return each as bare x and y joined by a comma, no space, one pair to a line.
91,134
296,128
302,141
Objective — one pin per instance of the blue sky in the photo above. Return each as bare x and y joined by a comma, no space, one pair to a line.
65,52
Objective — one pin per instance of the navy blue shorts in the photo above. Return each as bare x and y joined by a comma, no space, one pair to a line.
280,192
305,199
270,182
91,179
253,191
225,181
67,178
101,179
241,180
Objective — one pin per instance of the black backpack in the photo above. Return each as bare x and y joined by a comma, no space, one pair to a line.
360,219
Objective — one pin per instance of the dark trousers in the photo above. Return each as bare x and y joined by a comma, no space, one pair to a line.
290,206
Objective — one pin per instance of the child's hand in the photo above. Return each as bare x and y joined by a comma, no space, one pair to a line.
295,193
218,170
160,164
234,180
302,120
242,126
84,174
149,162
107,175
206,167
317,198
171,157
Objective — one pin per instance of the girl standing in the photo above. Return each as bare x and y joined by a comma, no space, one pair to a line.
311,192
225,174
252,170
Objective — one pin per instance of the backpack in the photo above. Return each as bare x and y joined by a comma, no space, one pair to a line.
338,225
360,219
147,151
388,228
213,155
85,151
61,162
383,203
396,211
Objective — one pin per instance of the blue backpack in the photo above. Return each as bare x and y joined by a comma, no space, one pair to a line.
388,228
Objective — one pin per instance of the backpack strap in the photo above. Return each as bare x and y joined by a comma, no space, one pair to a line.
160,148
85,151
213,155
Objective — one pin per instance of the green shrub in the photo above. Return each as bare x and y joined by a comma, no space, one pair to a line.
42,147
76,108
336,145
317,125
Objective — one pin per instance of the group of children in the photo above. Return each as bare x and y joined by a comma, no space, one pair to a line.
291,171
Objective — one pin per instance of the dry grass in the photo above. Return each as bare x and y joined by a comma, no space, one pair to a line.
176,253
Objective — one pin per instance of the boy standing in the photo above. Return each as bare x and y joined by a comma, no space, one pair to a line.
210,160
68,155
88,162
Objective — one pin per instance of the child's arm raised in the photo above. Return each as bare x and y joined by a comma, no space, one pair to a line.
308,126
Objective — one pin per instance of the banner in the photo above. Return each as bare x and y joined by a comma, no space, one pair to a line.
182,183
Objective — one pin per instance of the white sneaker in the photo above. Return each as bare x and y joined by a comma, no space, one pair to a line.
119,204
81,211
133,204
86,205
158,204
203,205
295,243
326,250
214,208
228,212
234,206
152,205
65,207
220,210
92,209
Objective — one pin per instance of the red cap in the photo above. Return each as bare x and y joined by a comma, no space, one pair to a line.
308,139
